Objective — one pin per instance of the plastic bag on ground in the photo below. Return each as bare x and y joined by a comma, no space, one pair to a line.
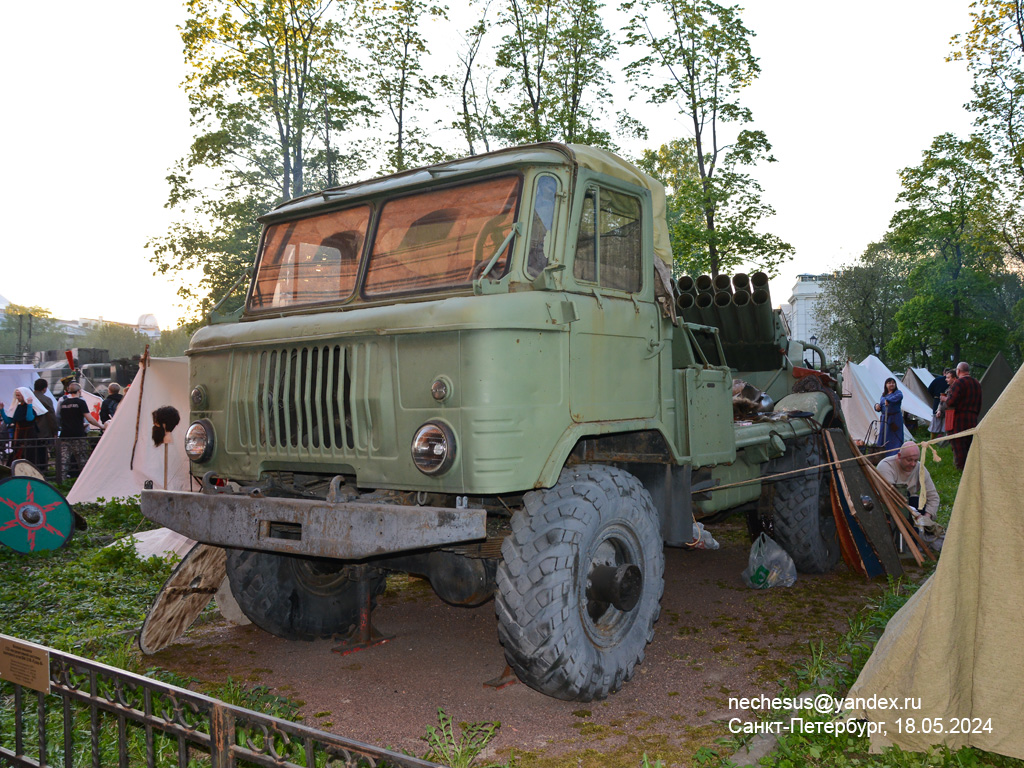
769,565
702,538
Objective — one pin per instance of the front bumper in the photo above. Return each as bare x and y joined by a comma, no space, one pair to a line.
316,528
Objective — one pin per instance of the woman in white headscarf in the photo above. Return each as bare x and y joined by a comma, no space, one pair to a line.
21,413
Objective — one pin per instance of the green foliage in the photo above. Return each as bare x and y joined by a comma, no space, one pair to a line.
993,50
83,593
949,225
118,340
397,48
174,342
555,58
271,89
24,330
697,54
458,750
859,302
474,116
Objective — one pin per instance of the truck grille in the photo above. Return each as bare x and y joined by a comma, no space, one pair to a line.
308,401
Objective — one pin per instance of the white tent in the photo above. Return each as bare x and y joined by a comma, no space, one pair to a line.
14,376
912,404
111,471
861,391
954,649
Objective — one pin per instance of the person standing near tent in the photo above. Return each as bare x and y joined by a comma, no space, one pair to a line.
21,413
946,414
74,412
890,405
113,399
965,399
47,424
936,389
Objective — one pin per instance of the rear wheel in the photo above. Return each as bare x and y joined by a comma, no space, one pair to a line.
802,519
297,598
580,583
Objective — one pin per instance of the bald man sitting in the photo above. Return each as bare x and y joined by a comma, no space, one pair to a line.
902,470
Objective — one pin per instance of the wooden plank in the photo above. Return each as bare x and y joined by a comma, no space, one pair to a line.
847,546
872,521
872,565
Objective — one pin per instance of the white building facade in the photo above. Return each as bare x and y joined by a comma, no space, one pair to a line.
800,311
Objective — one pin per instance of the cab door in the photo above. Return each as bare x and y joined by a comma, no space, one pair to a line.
615,345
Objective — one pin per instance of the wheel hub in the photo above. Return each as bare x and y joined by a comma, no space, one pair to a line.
621,586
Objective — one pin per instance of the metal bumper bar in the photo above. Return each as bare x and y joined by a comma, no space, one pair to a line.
343,531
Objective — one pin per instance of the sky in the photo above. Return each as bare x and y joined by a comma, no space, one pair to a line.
849,94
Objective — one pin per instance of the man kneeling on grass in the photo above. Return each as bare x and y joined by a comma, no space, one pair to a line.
903,472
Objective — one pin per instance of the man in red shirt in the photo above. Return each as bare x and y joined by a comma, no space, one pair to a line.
964,399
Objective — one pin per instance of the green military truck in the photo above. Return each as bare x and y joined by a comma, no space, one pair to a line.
482,372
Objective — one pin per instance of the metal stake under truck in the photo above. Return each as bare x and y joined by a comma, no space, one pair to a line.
482,372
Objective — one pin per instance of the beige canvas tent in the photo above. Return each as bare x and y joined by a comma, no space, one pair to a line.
916,380
956,646
994,381
111,472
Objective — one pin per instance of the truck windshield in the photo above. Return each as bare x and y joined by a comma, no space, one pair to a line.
312,260
442,238
433,240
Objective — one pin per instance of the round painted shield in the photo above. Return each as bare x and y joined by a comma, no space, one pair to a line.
183,597
34,516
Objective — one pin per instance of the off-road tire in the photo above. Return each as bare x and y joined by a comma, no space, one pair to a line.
802,518
594,515
297,598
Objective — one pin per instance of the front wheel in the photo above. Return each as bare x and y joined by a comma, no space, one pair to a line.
297,598
802,516
580,583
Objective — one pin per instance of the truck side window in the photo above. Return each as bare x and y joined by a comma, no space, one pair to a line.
543,221
609,243
585,265
620,243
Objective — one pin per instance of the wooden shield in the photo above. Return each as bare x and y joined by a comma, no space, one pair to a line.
183,597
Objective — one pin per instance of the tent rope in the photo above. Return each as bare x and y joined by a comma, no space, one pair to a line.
830,464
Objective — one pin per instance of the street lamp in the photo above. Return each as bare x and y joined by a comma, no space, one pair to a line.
814,343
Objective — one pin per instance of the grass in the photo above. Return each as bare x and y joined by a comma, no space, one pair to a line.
90,599
834,669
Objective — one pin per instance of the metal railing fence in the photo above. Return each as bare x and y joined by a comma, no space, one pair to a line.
97,715
58,458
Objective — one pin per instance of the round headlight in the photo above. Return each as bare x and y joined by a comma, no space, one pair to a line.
198,397
199,441
433,449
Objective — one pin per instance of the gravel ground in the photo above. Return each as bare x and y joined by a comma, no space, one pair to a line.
715,639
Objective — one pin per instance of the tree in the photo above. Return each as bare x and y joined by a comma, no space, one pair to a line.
675,165
994,52
270,90
174,342
25,330
859,301
474,116
555,57
396,48
948,219
698,56
118,340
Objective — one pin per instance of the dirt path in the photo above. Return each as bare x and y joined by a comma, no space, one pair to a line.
715,639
